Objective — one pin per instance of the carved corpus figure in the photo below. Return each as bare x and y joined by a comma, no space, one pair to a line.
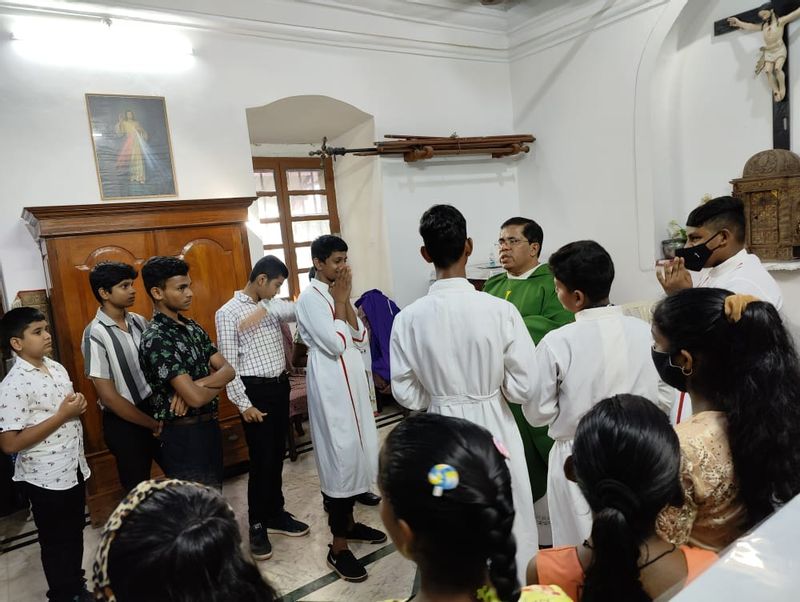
773,52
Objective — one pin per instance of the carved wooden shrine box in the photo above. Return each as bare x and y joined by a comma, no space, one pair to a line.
770,190
209,234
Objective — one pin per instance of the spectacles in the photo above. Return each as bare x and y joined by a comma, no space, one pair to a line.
509,242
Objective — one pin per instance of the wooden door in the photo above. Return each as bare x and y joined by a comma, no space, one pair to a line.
73,307
218,258
74,304
217,267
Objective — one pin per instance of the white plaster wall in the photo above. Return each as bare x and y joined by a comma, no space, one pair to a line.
266,149
578,97
711,113
714,115
484,191
636,120
359,198
46,152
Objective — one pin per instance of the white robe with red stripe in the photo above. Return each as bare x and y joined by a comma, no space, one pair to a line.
340,415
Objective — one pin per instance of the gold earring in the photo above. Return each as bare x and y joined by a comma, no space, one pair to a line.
685,373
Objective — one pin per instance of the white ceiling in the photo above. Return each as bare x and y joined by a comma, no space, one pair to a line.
301,120
499,18
470,13
463,29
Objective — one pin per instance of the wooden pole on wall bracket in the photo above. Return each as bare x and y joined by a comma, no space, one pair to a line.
418,148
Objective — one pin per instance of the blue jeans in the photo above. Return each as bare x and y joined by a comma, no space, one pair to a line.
192,452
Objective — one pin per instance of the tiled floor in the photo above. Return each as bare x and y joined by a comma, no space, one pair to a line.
297,568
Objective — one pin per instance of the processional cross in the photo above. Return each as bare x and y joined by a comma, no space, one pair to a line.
774,59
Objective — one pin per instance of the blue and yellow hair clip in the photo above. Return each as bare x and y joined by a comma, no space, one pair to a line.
443,477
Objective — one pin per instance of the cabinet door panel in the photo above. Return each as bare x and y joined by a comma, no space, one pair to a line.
74,305
218,266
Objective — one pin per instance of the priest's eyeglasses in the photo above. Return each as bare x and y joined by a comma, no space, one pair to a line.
509,242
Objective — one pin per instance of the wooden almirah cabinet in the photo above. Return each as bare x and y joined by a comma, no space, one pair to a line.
209,234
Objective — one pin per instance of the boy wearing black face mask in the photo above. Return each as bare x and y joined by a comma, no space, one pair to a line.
715,249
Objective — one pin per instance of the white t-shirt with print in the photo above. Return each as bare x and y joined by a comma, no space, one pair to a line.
29,396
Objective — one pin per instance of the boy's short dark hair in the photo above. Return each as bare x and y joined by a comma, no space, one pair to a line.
721,212
444,233
584,266
108,274
530,229
326,245
157,270
270,266
14,323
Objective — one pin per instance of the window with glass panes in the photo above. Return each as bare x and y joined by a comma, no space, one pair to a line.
296,204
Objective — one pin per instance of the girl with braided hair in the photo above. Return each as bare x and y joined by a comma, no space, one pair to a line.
626,461
175,541
740,450
447,505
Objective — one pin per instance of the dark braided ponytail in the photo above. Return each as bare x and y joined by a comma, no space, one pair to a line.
498,521
462,539
627,460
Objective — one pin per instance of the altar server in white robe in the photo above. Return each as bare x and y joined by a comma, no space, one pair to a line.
715,257
459,352
601,354
340,415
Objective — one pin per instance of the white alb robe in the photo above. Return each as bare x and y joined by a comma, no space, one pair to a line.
459,352
743,274
340,415
603,353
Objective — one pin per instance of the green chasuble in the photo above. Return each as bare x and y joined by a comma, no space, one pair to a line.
535,298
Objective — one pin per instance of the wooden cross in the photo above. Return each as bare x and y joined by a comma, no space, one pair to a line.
780,109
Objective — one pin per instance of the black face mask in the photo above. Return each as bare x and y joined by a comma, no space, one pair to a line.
695,257
670,373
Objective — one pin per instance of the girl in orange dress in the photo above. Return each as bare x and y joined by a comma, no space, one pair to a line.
626,460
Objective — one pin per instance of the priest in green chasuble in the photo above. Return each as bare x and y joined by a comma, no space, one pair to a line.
528,285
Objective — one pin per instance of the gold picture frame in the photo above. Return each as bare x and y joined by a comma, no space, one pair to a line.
132,146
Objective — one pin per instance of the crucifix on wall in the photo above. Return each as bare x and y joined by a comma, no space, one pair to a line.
771,20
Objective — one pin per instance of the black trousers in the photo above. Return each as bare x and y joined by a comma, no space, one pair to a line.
132,446
267,444
60,517
12,497
192,452
340,510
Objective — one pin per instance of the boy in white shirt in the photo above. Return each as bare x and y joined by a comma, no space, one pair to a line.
601,354
39,421
715,251
715,257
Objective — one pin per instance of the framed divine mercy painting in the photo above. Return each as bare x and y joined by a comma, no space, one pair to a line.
132,149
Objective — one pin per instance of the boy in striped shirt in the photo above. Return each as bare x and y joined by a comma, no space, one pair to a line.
111,360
